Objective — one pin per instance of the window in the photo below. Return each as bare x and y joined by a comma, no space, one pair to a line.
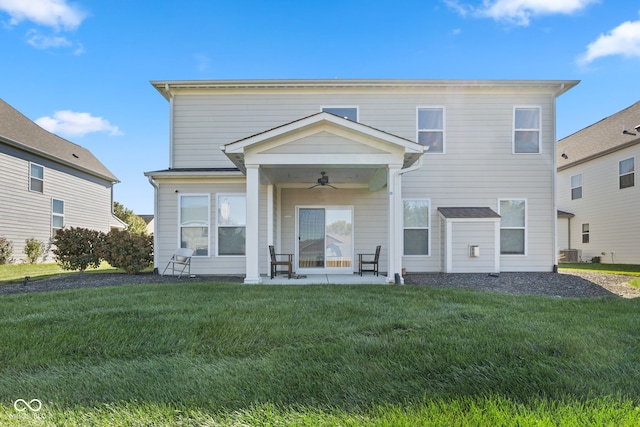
194,223
349,113
513,227
57,216
526,130
416,227
576,187
431,128
232,221
626,170
36,178
585,233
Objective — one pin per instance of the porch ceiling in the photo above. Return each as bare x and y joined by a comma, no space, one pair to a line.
307,175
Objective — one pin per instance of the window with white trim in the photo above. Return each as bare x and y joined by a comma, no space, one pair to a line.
194,223
36,178
232,224
349,113
416,223
513,226
526,130
431,128
626,171
585,233
576,187
57,216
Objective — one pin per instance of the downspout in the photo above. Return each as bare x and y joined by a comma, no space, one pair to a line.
417,165
155,186
171,98
554,178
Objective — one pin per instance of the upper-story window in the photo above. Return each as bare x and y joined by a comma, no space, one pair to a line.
576,187
57,216
349,113
626,171
36,178
431,128
526,130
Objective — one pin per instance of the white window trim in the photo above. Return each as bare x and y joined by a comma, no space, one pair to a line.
581,186
54,214
443,130
428,227
217,197
634,172
322,108
526,225
513,126
32,177
583,233
180,196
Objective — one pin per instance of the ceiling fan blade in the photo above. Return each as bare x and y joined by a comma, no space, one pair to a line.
313,186
329,185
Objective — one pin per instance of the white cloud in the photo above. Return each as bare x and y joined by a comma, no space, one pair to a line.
39,41
70,123
57,14
623,40
520,12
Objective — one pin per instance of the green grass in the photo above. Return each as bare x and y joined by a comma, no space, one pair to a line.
13,273
626,269
220,354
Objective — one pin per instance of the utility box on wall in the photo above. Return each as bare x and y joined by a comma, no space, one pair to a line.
474,251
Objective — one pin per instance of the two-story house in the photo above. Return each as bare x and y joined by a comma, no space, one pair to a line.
597,184
47,183
447,176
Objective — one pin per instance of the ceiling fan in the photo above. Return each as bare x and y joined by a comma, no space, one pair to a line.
323,181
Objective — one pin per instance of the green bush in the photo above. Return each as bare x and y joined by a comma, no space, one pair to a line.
33,249
131,252
78,248
6,248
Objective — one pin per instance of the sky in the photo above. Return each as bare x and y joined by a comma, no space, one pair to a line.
82,69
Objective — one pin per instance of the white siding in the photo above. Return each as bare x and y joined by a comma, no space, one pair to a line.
612,214
478,168
25,214
481,234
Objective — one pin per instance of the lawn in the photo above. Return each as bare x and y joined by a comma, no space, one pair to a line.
229,354
626,269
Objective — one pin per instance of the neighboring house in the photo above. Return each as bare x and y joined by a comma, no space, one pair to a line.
47,183
448,176
598,184
150,221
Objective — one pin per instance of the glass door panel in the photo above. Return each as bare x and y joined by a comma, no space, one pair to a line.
325,239
311,238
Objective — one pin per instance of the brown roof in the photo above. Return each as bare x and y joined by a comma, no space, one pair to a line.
469,212
600,138
18,131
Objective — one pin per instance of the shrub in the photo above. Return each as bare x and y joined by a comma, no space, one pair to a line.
78,248
33,249
6,248
131,252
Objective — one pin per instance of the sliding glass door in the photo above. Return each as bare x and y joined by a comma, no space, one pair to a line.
325,240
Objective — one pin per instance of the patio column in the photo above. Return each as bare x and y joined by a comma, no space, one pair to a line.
252,235
394,185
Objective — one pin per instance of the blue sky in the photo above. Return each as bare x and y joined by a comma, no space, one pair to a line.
82,68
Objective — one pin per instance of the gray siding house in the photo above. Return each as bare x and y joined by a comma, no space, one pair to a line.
47,183
447,176
598,186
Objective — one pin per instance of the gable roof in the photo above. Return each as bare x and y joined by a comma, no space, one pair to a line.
600,138
235,150
18,131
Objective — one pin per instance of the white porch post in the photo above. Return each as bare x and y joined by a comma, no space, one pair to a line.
394,185
252,227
